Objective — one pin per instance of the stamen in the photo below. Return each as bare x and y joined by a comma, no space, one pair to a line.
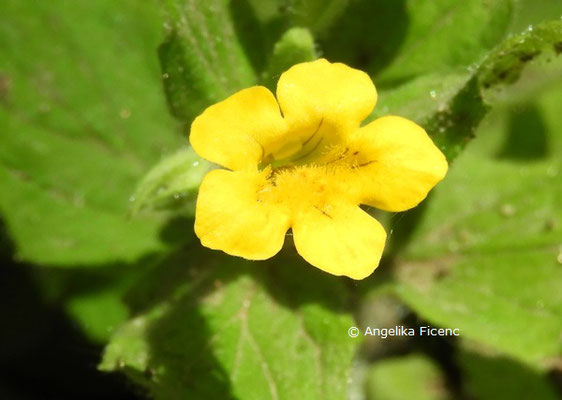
365,164
341,156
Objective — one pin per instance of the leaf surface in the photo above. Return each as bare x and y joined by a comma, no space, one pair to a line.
223,329
80,122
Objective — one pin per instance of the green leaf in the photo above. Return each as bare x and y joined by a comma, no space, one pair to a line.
528,14
409,377
505,64
486,257
401,40
172,184
451,105
226,329
82,118
453,126
98,314
499,378
295,46
317,15
202,58
442,35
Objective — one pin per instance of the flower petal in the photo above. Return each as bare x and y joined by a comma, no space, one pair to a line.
397,164
230,218
319,92
341,240
234,132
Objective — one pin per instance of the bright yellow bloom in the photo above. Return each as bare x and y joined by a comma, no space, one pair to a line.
303,162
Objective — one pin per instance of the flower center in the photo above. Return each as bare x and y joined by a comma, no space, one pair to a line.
313,184
314,144
312,168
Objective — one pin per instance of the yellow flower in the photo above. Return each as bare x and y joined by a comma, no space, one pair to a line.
303,162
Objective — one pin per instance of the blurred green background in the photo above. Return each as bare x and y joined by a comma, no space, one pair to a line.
106,293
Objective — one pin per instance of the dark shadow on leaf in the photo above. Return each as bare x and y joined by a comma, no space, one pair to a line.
178,230
497,377
7,246
526,137
368,35
293,282
179,337
403,226
257,37
43,354
198,271
180,349
61,284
